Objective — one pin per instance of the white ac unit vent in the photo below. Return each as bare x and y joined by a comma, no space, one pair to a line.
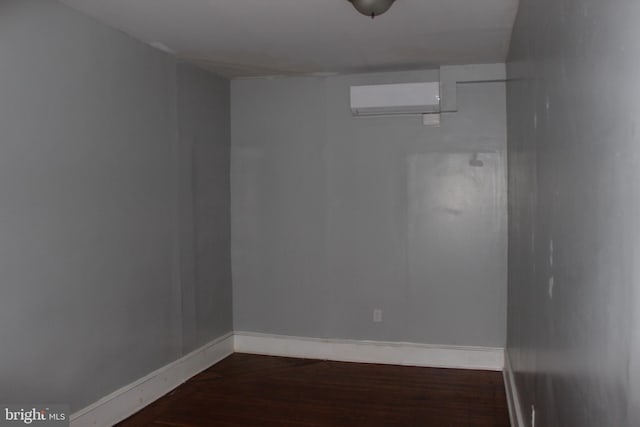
395,99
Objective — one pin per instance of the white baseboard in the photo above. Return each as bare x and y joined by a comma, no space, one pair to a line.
128,400
393,353
513,398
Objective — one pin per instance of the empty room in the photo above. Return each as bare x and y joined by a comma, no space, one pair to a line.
320,213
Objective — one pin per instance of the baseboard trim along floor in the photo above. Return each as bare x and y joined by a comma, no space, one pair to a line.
128,400
390,353
513,398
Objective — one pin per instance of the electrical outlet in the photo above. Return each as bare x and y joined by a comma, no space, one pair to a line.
377,315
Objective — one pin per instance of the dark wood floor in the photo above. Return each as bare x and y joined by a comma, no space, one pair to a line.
248,390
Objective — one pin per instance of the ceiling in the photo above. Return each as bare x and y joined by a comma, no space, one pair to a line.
239,38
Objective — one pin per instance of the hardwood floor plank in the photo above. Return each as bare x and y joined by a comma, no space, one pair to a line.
251,390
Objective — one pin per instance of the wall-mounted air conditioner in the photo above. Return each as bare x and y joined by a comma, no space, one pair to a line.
395,99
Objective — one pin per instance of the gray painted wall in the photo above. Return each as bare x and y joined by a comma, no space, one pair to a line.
92,207
204,156
574,209
334,216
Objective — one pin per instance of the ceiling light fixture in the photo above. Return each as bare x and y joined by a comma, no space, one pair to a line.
372,8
